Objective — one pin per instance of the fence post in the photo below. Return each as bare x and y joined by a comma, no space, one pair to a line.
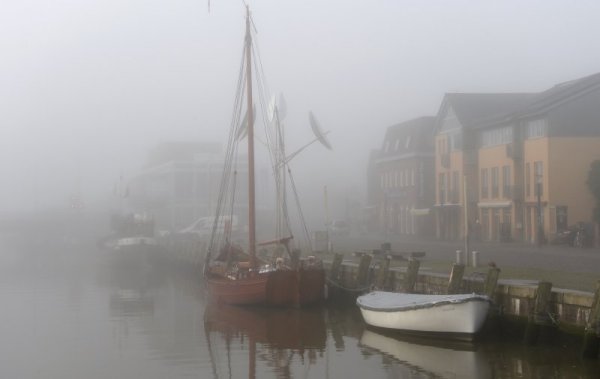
456,277
412,273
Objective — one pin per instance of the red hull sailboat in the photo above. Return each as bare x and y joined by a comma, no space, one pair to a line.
238,277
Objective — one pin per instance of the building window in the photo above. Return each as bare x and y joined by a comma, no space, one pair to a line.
421,180
407,142
442,189
536,129
495,182
455,141
397,144
498,136
538,170
527,179
387,146
484,183
506,193
485,224
561,217
455,187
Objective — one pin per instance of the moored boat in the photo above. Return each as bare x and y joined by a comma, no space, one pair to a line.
133,241
236,275
458,315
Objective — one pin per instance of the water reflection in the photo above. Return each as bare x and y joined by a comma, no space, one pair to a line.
423,358
71,313
275,337
131,293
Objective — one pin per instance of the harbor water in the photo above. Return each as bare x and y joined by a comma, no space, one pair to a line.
77,313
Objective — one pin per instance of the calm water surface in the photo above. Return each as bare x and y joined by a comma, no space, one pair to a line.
74,314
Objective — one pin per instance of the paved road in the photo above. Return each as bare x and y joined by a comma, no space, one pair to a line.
563,258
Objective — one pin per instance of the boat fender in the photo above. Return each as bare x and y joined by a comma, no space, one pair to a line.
279,263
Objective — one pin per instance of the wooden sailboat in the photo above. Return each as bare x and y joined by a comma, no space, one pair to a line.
238,277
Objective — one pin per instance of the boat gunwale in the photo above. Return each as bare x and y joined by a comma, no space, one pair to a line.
425,305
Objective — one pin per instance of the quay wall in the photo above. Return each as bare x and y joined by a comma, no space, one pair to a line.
514,299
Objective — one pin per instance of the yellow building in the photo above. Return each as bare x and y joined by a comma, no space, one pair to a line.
533,163
457,157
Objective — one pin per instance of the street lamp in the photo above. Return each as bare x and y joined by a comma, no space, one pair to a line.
540,227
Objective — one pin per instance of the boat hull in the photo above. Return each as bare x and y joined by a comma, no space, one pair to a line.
134,251
244,291
296,288
281,288
465,317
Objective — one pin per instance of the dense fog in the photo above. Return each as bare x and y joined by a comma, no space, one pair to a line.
88,88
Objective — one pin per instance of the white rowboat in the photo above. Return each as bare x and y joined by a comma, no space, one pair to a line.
454,314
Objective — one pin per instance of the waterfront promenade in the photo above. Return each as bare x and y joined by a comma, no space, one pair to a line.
548,257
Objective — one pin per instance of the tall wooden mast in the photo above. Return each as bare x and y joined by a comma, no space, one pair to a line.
251,189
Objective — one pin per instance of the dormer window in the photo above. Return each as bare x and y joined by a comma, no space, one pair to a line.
536,129
499,136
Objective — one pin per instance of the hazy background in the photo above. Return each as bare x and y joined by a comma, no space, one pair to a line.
88,87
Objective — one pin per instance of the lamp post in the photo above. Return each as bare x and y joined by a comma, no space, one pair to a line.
540,226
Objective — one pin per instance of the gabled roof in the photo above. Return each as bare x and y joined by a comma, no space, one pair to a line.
409,137
544,101
558,94
472,108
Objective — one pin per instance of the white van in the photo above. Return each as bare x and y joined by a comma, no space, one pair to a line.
203,226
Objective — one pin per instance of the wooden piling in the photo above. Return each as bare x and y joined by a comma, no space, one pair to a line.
539,318
336,265
456,277
362,276
591,337
491,282
295,258
384,267
412,272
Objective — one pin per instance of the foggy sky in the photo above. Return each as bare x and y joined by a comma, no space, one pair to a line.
87,87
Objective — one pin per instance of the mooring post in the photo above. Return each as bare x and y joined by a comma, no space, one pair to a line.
539,318
384,267
459,256
295,258
412,272
491,282
456,277
362,276
474,258
591,337
336,265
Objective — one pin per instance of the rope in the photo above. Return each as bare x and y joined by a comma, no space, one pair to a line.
302,219
231,149
361,289
335,284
